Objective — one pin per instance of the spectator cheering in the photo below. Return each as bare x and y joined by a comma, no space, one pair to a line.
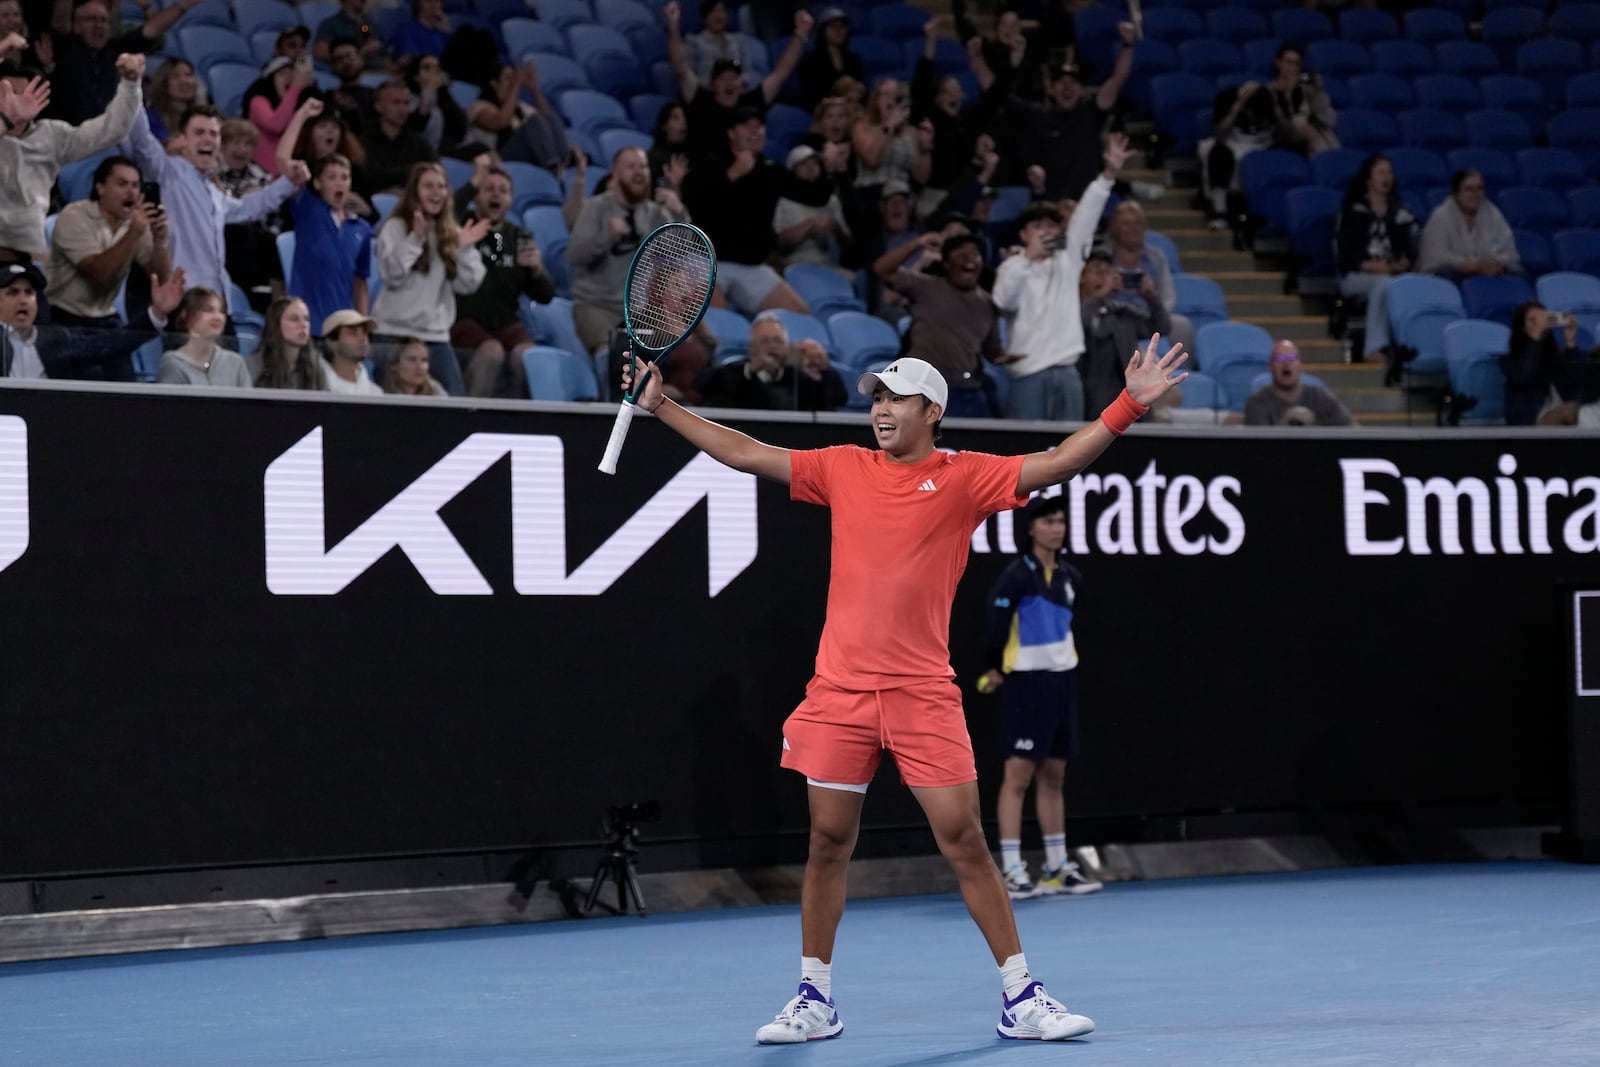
174,89
521,133
425,258
953,323
196,208
1111,329
669,147
285,357
393,148
200,360
488,325
97,242
607,231
1466,235
270,104
347,336
20,285
1375,241
734,199
830,60
1288,401
714,43
333,245
84,61
33,150
351,98
809,218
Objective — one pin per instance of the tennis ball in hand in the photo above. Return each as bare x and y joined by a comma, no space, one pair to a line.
984,685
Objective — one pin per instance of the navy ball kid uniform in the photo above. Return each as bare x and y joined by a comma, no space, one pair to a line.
1028,638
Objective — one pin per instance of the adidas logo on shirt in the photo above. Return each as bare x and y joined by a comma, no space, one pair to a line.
927,486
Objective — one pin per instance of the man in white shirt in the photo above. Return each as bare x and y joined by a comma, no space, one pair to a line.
348,337
1038,287
20,283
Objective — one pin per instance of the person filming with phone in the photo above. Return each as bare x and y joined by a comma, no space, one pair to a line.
97,241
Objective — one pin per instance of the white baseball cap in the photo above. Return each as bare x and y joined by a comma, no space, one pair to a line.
908,376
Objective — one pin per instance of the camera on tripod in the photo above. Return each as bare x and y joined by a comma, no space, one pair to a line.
622,816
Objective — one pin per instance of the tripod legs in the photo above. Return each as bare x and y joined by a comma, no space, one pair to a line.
618,868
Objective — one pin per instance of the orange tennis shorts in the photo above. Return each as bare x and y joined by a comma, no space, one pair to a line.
839,735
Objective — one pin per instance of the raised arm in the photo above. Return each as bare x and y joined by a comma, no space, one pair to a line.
309,109
727,446
678,53
1148,376
772,84
1107,96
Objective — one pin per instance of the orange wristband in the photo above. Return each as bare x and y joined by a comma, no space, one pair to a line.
1121,413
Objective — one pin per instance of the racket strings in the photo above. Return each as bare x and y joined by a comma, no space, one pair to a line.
670,282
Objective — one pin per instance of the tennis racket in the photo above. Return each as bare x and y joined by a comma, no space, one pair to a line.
669,285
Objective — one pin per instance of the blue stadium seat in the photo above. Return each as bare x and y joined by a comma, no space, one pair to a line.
1550,62
1472,351
649,44
1364,25
1449,92
593,111
860,338
465,94
1533,248
1300,25
1266,177
1570,291
1201,299
532,185
384,205
788,125
616,74
1470,59
1583,90
1381,92
205,44
1493,128
1551,168
551,324
1337,57
731,329
1508,28
1209,57
563,13
558,266
588,41
949,57
1495,298
621,14
524,35
1496,5
615,140
1312,212
1403,58
1578,131
496,12
1154,57
1261,55
313,12
1202,391
1529,208
1418,168
286,255
802,327
1096,29
1236,24
1367,131
1513,92
897,21
557,73
880,57
227,82
1579,23
1181,94
1577,250
1009,200
1173,25
458,171
1437,131
1431,25
1167,247
76,180
272,15
264,44
1335,167
1498,169
643,108
1233,353
209,13
554,374
1420,307
825,291
545,222
1584,203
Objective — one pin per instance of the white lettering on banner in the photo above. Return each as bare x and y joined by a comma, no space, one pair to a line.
13,489
1434,511
299,561
1147,515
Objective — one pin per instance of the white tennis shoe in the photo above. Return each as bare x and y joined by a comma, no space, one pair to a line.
1037,1016
808,1017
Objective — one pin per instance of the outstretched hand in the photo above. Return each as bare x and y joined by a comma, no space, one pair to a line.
649,396
22,106
1116,154
1148,376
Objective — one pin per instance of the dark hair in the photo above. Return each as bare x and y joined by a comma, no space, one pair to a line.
197,111
10,68
955,243
1036,211
110,163
192,299
339,42
1460,177
333,159
1287,47
938,427
1519,325
663,115
707,6
1356,191
1099,255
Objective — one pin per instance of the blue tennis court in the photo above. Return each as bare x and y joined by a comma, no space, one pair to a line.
1471,964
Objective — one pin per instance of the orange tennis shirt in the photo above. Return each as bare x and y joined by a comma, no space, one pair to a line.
901,533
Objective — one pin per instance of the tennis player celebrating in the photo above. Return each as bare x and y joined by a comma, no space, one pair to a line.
903,517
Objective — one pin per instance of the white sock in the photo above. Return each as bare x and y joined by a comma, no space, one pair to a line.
817,974
1014,976
1055,851
1219,201
1010,854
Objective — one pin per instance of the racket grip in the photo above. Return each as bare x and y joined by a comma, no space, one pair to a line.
619,433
